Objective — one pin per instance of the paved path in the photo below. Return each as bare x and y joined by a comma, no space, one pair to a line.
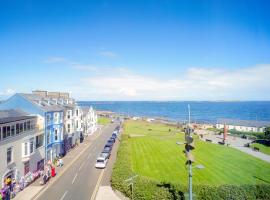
257,154
237,143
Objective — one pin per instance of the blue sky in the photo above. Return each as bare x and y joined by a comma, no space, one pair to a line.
137,50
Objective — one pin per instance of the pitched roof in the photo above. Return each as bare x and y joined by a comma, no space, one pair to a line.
40,102
12,115
247,123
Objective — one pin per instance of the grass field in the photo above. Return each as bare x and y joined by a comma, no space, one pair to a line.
263,148
104,120
154,154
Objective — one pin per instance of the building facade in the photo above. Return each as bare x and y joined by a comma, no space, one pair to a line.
242,125
51,115
21,145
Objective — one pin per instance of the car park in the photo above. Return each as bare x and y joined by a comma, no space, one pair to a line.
101,162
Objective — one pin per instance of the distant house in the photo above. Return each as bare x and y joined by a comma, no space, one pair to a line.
243,125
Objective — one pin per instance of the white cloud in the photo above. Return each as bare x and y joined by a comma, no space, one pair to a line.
7,92
251,83
108,54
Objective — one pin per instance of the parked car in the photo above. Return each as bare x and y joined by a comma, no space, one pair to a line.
104,155
111,140
109,144
107,150
101,162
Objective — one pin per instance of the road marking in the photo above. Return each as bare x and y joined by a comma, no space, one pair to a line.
64,195
74,178
81,166
89,155
97,185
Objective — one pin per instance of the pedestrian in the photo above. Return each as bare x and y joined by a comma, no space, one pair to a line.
61,162
7,189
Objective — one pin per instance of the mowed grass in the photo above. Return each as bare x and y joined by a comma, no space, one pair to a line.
104,120
157,156
263,148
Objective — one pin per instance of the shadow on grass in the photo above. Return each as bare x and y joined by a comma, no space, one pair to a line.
261,179
172,190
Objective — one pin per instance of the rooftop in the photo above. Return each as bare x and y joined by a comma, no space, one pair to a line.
12,115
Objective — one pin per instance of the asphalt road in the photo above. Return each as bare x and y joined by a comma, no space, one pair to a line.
80,179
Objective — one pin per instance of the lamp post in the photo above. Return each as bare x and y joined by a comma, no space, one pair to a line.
130,182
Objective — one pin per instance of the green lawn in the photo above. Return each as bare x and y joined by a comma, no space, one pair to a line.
263,148
104,120
154,154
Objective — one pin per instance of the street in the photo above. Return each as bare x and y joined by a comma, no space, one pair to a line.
81,178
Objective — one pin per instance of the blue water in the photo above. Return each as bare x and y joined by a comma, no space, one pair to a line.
178,111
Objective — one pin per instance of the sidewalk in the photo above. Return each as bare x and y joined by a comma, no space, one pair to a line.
32,190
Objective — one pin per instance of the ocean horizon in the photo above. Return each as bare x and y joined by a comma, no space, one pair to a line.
201,111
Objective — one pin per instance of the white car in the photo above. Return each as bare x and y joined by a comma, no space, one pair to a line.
101,162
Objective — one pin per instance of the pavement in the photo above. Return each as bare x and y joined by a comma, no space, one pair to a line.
78,178
238,143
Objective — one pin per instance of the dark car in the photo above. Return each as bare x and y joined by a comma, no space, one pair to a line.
107,150
111,140
109,144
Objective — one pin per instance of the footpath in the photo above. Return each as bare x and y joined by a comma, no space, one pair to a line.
32,190
238,143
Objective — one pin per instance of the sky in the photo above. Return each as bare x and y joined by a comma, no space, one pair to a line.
137,50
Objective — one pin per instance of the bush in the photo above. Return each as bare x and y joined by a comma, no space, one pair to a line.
149,189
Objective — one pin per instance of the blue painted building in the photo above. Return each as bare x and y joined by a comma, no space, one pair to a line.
51,112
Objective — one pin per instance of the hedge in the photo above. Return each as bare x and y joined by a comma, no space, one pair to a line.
149,189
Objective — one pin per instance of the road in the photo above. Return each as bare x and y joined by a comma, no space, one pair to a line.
80,179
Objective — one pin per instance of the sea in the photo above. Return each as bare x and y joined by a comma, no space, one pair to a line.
201,111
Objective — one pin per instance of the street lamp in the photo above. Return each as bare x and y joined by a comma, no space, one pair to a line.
130,182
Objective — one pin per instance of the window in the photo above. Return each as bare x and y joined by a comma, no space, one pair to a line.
4,132
31,146
8,131
0,132
13,130
21,127
68,128
77,124
48,119
25,149
24,126
48,138
9,155
32,125
55,134
39,140
28,125
68,116
77,113
17,129
26,167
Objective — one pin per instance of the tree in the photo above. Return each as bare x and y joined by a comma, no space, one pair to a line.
267,133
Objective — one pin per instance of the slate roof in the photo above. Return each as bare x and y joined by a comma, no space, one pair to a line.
36,98
12,115
247,123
